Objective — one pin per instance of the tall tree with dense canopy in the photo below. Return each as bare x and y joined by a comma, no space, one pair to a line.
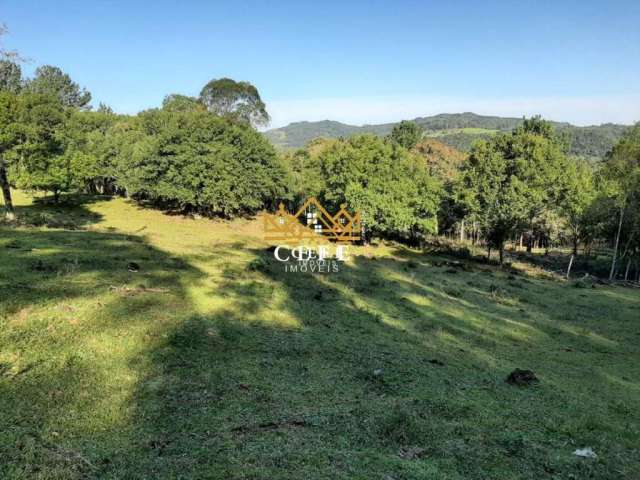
444,163
53,81
390,186
29,128
406,134
10,76
87,151
578,193
239,101
197,162
511,180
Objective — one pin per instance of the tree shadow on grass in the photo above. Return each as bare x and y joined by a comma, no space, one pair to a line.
381,369
70,212
75,323
335,376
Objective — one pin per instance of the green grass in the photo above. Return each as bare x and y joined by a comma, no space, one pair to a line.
211,362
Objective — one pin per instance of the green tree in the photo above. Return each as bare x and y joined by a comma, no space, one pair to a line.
10,71
491,194
197,162
10,76
104,108
444,163
29,128
303,166
87,152
239,101
541,157
181,103
40,163
578,193
511,180
406,134
53,81
390,186
622,183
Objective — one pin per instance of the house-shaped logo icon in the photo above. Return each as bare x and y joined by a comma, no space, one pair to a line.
312,222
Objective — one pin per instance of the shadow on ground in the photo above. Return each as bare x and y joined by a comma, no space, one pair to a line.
70,212
392,368
76,321
389,369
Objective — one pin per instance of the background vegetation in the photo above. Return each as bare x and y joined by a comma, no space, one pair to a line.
520,183
459,130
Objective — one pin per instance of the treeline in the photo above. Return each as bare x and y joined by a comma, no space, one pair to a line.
590,143
203,155
193,154
522,187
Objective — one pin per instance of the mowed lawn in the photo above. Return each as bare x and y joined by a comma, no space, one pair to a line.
212,362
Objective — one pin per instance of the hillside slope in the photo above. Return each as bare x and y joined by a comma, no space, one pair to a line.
207,360
459,130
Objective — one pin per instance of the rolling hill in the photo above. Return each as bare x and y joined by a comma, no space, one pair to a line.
459,130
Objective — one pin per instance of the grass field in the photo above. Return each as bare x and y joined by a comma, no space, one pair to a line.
212,362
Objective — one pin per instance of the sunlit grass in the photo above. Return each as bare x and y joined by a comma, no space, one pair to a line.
200,366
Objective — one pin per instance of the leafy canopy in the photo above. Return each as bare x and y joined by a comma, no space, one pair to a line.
406,134
239,101
10,76
195,161
181,103
510,180
53,81
30,126
390,186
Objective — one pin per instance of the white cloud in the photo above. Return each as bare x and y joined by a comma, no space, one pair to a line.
594,110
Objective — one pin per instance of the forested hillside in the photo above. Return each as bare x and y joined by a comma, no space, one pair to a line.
459,130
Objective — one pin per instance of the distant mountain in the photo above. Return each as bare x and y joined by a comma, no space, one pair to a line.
299,134
458,130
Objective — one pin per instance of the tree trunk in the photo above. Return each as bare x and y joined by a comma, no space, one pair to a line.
575,244
545,241
6,192
462,230
626,273
501,252
521,237
489,253
615,248
570,265
365,237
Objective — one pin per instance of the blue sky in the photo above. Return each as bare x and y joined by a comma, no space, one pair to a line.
354,61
